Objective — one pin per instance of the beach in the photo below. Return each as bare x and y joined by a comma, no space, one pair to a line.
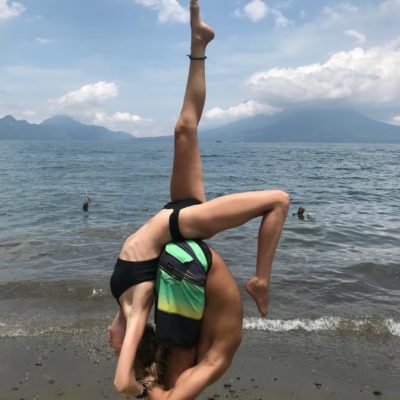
288,366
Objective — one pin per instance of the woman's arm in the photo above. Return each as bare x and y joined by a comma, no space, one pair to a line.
136,303
194,380
125,381
116,332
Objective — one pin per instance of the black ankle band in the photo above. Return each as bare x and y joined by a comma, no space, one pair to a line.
192,58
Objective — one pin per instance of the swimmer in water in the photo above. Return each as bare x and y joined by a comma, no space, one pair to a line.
88,200
300,214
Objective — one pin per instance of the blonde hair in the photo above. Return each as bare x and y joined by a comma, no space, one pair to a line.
150,363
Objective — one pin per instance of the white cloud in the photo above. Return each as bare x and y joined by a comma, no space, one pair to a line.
390,5
243,110
396,119
339,10
393,44
280,20
321,35
256,10
126,117
29,113
44,41
90,94
121,121
360,76
361,38
168,10
10,9
100,117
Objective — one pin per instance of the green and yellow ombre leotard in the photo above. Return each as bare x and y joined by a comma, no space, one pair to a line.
180,292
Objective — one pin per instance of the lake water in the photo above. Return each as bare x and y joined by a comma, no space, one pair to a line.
338,272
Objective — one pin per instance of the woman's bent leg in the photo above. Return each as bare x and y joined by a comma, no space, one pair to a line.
187,175
179,360
268,238
206,220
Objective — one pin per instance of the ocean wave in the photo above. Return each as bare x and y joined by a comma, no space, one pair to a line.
376,270
333,325
326,324
393,326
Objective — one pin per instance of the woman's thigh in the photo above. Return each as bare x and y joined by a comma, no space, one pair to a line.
222,323
187,172
226,212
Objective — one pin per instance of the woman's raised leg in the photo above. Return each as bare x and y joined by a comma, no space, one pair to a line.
187,175
226,212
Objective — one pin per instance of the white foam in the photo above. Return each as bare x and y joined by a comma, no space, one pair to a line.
14,332
278,325
393,327
324,324
332,324
97,292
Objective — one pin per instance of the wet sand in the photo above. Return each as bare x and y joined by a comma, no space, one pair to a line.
290,366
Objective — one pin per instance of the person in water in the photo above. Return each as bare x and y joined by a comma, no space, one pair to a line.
190,216
86,203
301,216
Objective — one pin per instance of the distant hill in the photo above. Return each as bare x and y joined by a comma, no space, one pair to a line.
57,128
302,126
318,126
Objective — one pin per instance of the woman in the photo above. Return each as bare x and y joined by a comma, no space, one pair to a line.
220,336
188,216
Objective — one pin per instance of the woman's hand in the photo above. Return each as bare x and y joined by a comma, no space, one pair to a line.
116,332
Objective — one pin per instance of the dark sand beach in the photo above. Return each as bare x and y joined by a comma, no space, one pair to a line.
290,366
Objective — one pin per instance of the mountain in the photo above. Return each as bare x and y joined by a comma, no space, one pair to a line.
60,127
318,126
307,125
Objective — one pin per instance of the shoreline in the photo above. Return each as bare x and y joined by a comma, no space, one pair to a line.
267,366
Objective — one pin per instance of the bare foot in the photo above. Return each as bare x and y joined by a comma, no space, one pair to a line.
202,34
259,291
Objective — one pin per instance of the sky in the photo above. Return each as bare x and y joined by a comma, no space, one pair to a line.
122,63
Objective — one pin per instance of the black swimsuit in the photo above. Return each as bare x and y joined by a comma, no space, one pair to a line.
130,273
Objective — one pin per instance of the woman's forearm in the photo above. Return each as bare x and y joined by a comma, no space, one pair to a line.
193,381
125,381
131,388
